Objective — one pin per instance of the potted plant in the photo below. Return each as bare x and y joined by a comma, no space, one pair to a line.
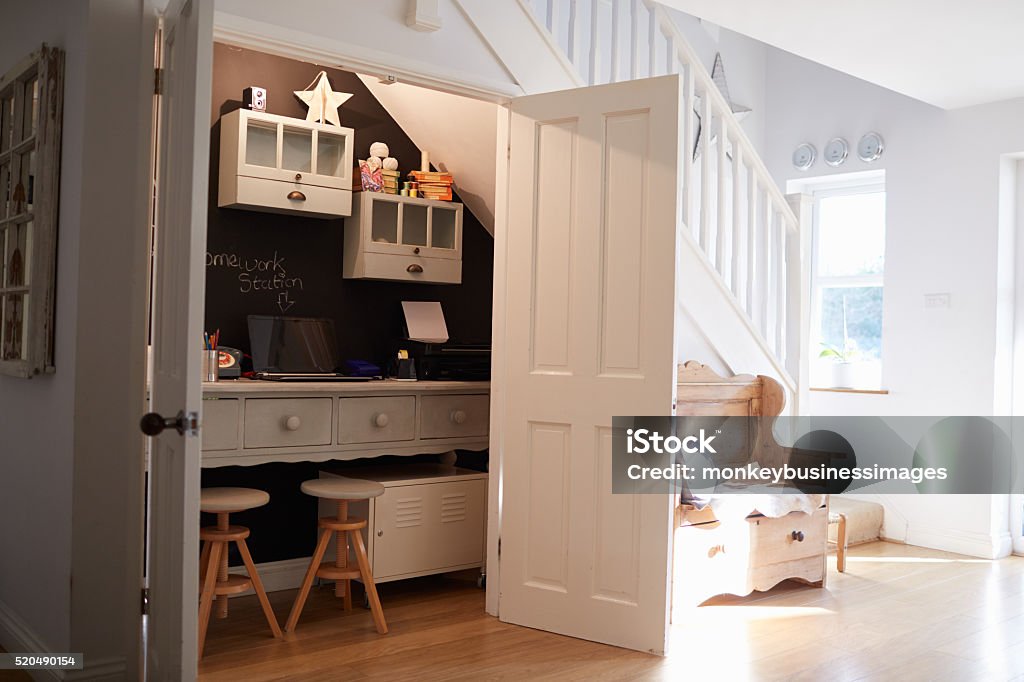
845,362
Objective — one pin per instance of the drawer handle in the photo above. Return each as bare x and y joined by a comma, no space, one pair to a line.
459,417
798,535
380,533
381,420
292,423
414,268
717,549
296,195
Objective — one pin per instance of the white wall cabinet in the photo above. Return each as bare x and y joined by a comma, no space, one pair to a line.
430,519
407,239
284,165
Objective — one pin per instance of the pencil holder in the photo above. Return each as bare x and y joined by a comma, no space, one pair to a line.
211,364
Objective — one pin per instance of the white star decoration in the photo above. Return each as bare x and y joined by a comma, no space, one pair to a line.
323,102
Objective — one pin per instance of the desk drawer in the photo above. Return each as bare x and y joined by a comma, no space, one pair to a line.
454,416
220,424
287,422
376,420
772,541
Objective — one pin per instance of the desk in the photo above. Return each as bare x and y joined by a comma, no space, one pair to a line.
248,422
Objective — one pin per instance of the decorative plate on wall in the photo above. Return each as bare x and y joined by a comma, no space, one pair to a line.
836,151
870,147
804,156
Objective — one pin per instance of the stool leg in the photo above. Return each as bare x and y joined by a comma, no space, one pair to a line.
841,544
342,588
307,582
222,569
257,585
204,560
371,589
206,598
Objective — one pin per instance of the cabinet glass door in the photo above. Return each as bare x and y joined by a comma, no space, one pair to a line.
297,150
384,222
261,144
444,227
330,155
414,225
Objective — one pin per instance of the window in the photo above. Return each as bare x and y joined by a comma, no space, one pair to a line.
848,263
30,128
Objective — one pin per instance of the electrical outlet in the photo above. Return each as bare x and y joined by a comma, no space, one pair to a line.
936,300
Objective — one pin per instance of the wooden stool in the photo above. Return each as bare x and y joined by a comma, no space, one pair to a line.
347,528
213,563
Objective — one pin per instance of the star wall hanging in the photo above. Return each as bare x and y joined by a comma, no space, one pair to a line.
740,111
323,102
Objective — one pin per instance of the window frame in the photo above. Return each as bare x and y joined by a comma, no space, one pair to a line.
46,66
840,188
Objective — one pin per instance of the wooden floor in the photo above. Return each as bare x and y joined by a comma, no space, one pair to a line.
899,612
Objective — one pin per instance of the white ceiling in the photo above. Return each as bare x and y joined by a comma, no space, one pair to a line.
950,53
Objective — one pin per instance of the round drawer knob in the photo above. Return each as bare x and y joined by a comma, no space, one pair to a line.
381,420
292,423
459,417
380,533
798,536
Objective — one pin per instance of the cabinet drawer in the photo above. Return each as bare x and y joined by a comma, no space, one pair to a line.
390,266
220,424
429,527
375,420
287,422
454,416
772,541
272,195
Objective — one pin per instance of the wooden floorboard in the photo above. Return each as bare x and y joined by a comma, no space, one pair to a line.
899,612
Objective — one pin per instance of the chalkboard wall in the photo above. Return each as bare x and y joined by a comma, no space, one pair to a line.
308,251
245,246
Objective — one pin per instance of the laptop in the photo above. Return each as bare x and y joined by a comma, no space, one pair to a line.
295,349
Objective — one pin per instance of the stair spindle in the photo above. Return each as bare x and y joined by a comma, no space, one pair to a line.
752,193
780,285
705,171
721,180
594,43
574,36
634,39
737,218
616,41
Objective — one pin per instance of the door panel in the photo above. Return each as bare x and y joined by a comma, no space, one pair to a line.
589,330
184,158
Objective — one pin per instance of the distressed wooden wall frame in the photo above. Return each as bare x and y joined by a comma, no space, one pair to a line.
31,112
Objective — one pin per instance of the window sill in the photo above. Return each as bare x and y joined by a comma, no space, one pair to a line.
863,391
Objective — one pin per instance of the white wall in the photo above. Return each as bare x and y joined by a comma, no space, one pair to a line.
376,32
36,426
942,180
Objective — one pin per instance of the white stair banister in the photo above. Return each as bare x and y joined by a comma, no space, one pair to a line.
746,228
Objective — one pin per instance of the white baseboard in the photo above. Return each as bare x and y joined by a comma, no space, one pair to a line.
278,575
982,545
17,637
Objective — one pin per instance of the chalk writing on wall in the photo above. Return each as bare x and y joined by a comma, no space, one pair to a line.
260,275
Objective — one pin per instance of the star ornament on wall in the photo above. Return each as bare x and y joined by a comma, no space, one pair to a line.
323,102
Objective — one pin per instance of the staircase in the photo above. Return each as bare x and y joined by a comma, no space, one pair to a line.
740,228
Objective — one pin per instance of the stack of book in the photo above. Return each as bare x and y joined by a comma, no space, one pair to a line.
390,178
433,185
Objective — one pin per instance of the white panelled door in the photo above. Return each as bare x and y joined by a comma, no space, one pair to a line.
589,316
184,141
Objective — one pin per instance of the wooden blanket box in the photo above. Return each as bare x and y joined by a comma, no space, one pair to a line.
741,555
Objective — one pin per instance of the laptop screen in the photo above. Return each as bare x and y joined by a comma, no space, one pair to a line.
292,344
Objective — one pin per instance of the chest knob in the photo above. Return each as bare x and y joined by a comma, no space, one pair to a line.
459,417
381,420
292,423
